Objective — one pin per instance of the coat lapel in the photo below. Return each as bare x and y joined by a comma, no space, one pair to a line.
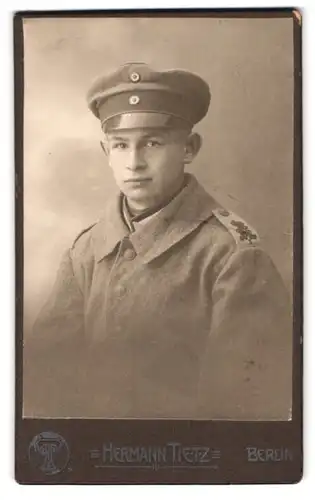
109,231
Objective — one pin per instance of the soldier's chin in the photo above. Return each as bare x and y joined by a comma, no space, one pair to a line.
137,192
139,199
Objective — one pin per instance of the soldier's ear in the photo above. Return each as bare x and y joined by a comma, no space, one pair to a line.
104,146
192,147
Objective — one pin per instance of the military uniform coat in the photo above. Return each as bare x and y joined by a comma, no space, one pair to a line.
186,317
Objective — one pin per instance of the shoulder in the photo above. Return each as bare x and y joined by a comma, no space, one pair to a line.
83,235
245,255
228,235
224,235
82,246
236,229
222,224
242,254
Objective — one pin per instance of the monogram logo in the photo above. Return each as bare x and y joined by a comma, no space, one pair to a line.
49,452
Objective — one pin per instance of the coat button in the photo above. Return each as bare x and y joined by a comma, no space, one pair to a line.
129,254
224,213
134,77
134,99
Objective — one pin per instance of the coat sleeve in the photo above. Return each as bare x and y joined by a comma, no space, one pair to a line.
52,351
247,365
62,317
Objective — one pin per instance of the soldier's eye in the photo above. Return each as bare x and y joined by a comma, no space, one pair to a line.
152,143
119,145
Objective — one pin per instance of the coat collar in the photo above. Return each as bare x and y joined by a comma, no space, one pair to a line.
179,218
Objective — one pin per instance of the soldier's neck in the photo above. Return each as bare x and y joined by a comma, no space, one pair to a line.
138,212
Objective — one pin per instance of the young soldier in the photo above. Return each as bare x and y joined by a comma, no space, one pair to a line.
168,306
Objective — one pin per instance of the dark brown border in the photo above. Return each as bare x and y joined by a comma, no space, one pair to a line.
19,208
231,438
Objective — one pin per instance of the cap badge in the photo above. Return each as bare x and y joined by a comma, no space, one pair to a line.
134,77
134,99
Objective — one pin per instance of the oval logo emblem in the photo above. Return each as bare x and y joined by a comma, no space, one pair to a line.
49,452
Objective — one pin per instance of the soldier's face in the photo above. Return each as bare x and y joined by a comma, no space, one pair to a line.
148,164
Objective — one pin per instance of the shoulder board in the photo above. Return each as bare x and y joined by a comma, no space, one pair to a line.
82,232
237,227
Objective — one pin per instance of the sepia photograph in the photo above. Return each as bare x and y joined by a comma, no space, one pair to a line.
158,224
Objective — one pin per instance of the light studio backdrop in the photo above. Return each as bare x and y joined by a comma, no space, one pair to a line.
246,160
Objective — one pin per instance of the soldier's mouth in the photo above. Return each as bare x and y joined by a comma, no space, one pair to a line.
138,180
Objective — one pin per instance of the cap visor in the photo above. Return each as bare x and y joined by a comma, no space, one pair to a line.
144,120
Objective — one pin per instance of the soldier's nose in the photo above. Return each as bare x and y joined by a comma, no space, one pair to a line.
136,160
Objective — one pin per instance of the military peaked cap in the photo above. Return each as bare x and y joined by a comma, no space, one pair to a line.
135,95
